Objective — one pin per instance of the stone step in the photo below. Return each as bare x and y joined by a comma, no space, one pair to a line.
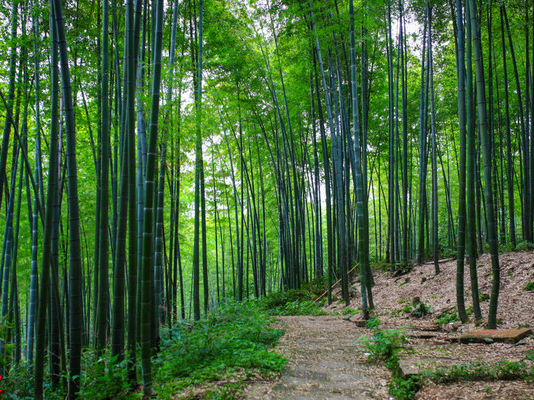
510,336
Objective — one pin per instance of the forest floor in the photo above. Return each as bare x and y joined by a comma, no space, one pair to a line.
429,348
325,362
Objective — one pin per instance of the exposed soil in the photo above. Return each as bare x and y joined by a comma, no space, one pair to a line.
429,345
439,291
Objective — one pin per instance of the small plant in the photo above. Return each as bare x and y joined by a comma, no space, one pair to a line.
404,389
529,287
348,311
384,344
372,323
421,309
279,299
106,379
483,296
447,317
418,310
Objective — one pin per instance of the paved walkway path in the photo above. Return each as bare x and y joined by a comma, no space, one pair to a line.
324,363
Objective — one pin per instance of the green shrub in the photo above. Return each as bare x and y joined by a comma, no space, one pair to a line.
280,299
404,389
417,310
302,307
105,379
232,344
529,287
447,317
372,323
295,301
524,245
483,296
19,384
383,345
316,287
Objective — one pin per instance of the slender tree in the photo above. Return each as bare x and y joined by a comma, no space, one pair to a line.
460,302
488,193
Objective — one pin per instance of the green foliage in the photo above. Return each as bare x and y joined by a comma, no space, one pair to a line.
529,287
418,310
316,287
304,307
18,384
404,389
383,345
524,246
447,317
372,323
231,345
106,379
478,371
5,358
297,301
348,311
449,252
483,296
103,379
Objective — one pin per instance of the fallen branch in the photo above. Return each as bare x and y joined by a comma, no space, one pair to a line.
333,286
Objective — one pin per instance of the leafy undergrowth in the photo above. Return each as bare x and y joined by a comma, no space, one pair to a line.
209,359
214,357
297,301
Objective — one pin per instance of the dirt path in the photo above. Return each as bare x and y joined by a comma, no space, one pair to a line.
324,363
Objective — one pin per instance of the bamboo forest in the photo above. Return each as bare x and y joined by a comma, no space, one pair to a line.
171,166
